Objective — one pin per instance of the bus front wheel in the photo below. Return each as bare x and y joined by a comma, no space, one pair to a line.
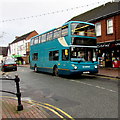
55,71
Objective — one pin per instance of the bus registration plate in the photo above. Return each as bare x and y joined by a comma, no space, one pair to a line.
85,66
86,72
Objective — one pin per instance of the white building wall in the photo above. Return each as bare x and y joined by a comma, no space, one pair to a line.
18,48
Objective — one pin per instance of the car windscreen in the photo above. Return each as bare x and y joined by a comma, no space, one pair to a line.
10,62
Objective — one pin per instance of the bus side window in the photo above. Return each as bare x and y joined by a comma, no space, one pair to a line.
50,36
39,39
43,39
57,33
64,30
36,41
35,57
31,42
54,55
65,55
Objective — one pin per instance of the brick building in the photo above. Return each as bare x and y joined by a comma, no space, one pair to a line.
107,22
20,47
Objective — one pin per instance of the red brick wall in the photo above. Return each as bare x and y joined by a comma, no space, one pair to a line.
116,30
118,27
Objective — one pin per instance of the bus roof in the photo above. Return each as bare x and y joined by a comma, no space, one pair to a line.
63,25
78,22
43,33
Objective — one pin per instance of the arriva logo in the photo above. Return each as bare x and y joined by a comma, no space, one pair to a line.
86,66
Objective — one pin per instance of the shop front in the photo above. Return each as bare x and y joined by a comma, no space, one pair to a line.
109,54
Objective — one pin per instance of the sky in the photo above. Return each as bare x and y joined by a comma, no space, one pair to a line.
18,17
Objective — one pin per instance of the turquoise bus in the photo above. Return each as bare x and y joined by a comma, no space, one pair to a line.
67,50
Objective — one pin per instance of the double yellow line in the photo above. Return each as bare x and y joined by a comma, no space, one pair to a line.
51,108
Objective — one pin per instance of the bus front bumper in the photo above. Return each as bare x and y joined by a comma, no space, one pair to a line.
77,72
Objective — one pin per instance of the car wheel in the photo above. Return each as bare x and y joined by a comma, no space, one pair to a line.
15,69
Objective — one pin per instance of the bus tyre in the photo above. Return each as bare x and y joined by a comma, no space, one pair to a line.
55,71
35,69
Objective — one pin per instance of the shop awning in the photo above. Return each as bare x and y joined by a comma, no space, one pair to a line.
15,56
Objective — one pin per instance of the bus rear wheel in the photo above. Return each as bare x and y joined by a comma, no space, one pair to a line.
35,69
55,71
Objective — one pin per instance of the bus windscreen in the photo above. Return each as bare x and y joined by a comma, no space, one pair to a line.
81,29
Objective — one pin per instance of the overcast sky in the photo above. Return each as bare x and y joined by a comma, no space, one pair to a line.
18,17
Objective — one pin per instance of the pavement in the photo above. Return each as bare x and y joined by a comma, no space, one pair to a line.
9,110
31,110
110,72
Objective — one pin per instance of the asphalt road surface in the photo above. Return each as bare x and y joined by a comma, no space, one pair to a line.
88,96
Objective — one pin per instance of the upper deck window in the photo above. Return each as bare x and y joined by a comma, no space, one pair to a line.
36,40
64,30
31,42
57,33
43,39
81,29
50,36
39,39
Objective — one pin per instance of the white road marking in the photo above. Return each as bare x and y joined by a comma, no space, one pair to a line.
99,87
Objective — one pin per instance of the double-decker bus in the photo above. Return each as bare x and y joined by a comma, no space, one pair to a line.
67,50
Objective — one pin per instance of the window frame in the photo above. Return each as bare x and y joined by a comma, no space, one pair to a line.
98,29
110,26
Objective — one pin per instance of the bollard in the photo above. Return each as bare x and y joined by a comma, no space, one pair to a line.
18,94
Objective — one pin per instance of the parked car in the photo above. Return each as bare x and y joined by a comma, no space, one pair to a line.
8,65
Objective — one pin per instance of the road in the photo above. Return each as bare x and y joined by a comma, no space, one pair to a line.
88,96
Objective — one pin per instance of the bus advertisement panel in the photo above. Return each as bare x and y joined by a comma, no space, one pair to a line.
67,50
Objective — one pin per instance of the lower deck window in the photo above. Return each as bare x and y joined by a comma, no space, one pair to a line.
54,55
35,56
65,54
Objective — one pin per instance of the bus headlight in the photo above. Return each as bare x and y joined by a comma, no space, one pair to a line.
75,67
96,66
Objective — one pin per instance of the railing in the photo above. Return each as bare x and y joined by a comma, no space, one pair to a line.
18,94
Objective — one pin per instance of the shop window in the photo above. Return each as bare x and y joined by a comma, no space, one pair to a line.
98,29
109,26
